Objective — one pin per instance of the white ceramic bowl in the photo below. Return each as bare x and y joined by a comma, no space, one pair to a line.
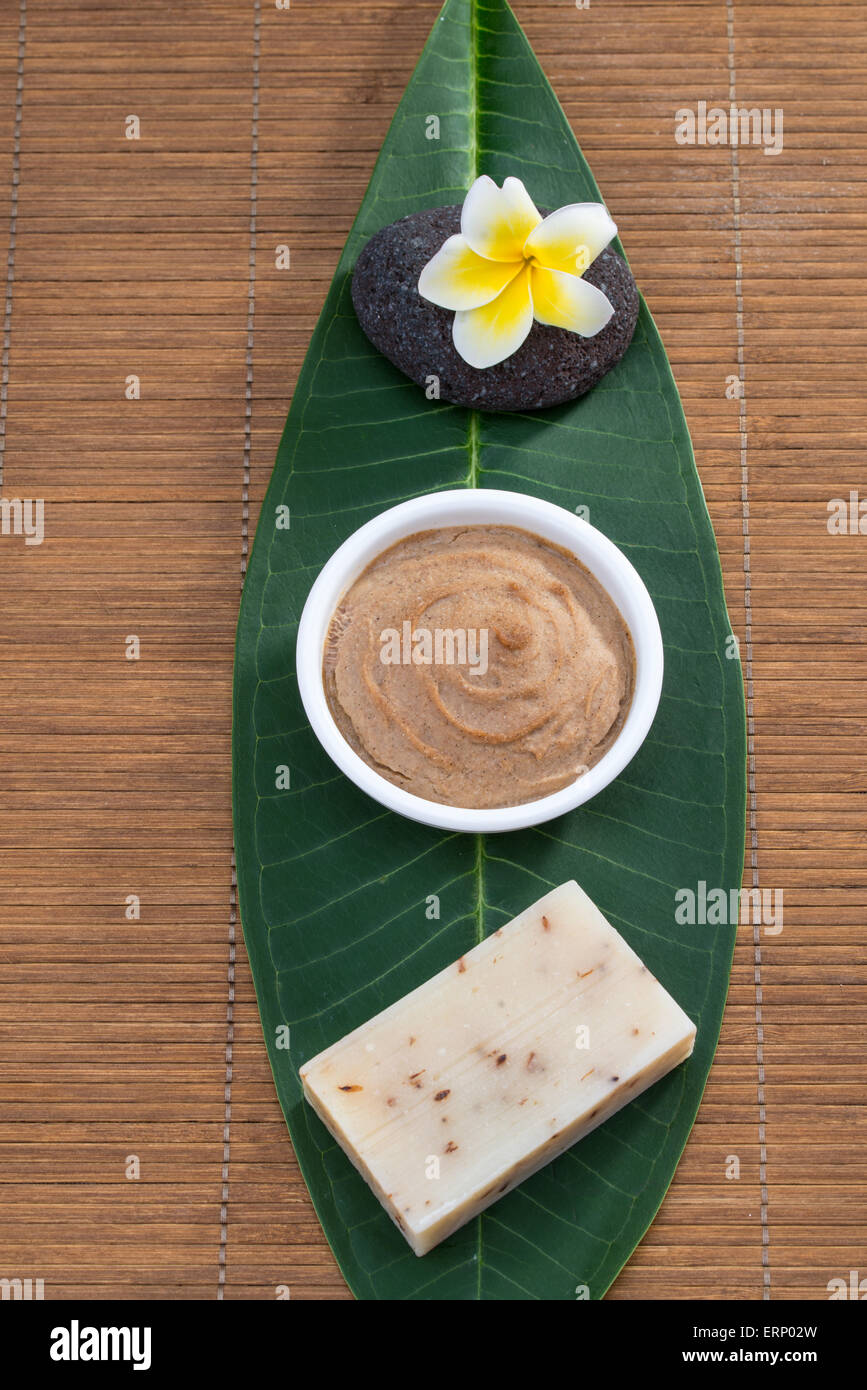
481,507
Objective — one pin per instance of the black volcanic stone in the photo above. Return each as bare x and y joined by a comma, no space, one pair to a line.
552,366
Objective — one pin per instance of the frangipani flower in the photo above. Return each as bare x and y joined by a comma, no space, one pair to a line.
509,265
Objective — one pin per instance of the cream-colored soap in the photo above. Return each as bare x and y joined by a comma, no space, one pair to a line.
459,1091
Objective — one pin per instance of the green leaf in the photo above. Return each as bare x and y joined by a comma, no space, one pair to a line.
333,888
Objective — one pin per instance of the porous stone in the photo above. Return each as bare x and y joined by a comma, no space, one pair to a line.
552,366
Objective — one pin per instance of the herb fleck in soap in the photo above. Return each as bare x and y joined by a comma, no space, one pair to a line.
452,1096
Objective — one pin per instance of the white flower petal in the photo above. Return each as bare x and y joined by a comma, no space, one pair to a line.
457,278
567,301
490,334
571,238
497,221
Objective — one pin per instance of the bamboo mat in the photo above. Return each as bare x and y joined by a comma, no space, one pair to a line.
121,1048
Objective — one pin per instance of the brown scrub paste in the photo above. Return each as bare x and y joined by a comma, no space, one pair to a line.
478,666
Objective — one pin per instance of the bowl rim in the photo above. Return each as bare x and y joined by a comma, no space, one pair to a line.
495,507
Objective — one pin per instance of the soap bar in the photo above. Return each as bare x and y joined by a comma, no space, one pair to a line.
459,1091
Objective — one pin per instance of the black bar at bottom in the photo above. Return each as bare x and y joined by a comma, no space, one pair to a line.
225,1339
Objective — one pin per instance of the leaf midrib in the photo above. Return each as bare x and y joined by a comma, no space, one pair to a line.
474,451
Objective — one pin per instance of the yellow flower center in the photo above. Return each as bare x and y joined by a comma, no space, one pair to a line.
580,256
